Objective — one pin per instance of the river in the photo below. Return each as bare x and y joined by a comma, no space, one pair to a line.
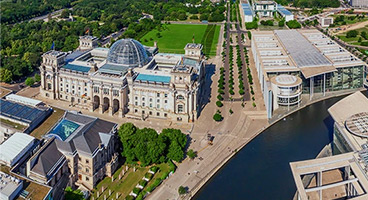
261,169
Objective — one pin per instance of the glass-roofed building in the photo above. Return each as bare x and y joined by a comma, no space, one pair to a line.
128,79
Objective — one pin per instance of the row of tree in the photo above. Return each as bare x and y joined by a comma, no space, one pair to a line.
311,3
148,147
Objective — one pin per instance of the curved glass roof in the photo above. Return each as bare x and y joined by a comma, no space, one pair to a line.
127,52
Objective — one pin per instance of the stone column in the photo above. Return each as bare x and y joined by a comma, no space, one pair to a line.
101,100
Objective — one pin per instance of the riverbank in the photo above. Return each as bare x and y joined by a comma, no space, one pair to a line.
213,172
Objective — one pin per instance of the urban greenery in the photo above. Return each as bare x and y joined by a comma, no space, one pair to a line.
71,194
148,147
311,4
293,24
217,116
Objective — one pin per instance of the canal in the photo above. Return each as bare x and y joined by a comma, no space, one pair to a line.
261,169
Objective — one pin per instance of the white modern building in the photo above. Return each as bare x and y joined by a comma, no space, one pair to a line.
127,80
10,186
358,3
307,55
15,148
345,174
263,9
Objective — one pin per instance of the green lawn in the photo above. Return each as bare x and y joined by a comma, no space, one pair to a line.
174,37
354,40
127,183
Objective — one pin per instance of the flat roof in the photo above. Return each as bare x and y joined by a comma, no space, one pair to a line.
9,184
14,146
329,163
20,112
303,52
153,78
22,100
343,110
113,69
247,9
78,68
283,10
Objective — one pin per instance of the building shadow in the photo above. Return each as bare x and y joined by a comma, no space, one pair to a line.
206,95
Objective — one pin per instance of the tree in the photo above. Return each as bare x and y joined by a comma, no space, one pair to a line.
217,117
182,190
71,194
37,78
219,104
64,13
175,152
364,34
293,24
29,81
282,23
360,39
191,154
5,75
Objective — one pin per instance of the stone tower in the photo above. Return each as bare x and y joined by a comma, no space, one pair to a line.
51,62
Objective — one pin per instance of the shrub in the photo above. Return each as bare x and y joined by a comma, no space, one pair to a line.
231,91
282,23
219,104
136,190
148,175
241,92
194,17
251,25
154,169
253,98
231,111
220,91
143,183
254,104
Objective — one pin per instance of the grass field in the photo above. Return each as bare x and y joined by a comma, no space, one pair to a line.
174,37
354,40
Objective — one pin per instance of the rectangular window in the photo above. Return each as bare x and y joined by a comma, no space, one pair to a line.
180,108
87,179
158,106
158,100
85,84
158,114
96,89
136,98
165,101
150,105
87,161
61,89
115,92
165,114
158,94
150,99
165,95
85,89
136,103
87,170
106,91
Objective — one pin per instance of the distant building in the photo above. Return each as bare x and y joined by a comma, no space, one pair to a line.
128,80
344,175
17,111
265,9
10,186
80,150
358,3
16,148
303,62
325,21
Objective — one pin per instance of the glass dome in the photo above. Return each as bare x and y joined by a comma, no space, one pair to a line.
127,52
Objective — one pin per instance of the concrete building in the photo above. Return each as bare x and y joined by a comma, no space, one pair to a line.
358,3
127,79
321,64
264,8
10,186
344,175
80,150
14,149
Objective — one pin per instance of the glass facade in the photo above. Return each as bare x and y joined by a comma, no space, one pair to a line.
343,78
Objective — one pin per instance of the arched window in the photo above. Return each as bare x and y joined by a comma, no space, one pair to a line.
180,97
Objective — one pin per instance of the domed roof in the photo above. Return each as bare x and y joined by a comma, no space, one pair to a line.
127,52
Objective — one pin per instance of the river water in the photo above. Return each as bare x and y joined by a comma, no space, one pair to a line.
261,169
